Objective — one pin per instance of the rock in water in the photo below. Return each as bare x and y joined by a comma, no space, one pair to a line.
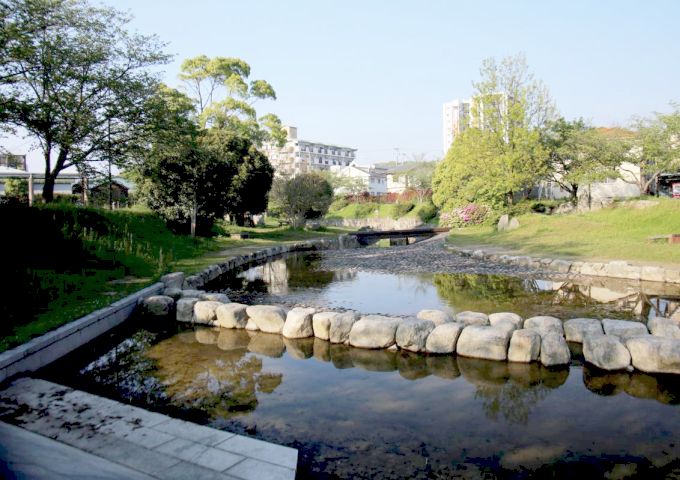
412,335
578,329
443,338
158,305
268,318
472,318
663,327
299,323
205,312
623,328
185,309
374,331
321,323
653,354
525,346
231,315
438,317
606,352
478,341
341,326
544,325
554,350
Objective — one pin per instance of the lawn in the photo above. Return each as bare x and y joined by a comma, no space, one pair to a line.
381,210
620,233
63,262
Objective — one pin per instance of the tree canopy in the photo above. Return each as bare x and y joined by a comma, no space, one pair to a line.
302,197
499,153
76,80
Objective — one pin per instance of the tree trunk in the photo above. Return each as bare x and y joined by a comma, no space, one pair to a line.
574,195
509,198
51,176
48,187
194,212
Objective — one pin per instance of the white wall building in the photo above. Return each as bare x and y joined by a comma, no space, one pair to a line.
302,156
455,119
374,178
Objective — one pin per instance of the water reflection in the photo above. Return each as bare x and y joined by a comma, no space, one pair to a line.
298,279
393,414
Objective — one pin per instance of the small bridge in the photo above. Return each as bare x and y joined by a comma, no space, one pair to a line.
397,237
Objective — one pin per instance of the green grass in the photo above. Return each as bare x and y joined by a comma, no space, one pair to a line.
610,234
375,210
67,262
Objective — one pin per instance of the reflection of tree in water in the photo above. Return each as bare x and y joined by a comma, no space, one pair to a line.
466,291
221,379
510,390
304,271
512,401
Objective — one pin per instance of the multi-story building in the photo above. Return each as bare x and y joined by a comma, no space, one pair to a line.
455,119
458,115
301,156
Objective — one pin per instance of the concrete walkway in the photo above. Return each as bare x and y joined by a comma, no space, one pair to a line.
113,440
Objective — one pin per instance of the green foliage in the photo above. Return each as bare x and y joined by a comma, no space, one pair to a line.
401,209
300,198
77,81
338,204
578,155
501,153
16,187
231,110
42,290
656,149
426,212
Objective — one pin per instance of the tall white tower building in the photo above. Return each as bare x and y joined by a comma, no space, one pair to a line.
455,119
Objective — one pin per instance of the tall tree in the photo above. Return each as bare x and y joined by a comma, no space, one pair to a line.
303,197
656,149
500,153
78,81
579,154
225,98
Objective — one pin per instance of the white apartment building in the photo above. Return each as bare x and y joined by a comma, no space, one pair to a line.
299,156
458,115
455,119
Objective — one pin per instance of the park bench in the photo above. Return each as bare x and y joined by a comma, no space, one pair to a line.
670,238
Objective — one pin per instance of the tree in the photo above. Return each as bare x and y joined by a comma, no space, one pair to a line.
579,154
303,197
252,177
76,81
656,149
344,184
500,153
225,98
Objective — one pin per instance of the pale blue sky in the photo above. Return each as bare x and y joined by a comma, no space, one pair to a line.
373,74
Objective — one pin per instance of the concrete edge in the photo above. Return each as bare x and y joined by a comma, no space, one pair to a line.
45,349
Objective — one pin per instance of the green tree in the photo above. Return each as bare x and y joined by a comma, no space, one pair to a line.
579,154
76,80
300,198
225,98
655,149
500,153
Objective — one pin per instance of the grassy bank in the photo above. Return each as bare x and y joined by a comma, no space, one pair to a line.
425,211
61,263
620,233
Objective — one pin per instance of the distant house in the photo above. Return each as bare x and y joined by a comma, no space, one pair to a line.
63,185
374,178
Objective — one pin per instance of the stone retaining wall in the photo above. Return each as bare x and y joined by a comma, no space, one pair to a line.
652,347
612,269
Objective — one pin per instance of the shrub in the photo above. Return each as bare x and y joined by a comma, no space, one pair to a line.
471,214
338,204
401,209
427,212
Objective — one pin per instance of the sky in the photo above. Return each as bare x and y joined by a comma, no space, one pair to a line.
373,74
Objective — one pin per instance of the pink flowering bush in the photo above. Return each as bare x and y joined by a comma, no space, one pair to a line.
470,214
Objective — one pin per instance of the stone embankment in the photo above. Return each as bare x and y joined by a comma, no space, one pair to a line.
612,269
608,344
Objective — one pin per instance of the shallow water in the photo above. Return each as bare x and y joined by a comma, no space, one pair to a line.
357,413
302,279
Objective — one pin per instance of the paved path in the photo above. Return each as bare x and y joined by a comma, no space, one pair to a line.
98,432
